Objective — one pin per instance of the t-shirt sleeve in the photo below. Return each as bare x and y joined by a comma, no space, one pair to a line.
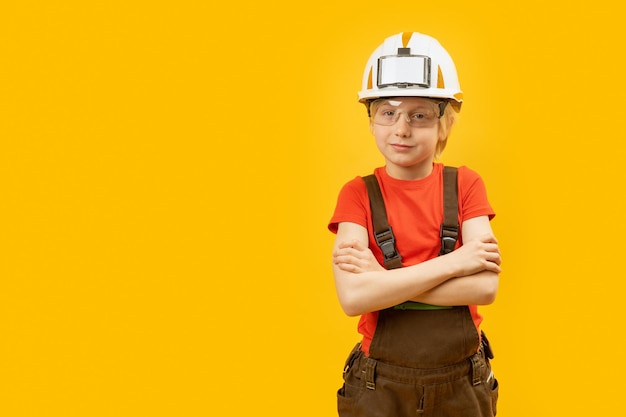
351,205
473,195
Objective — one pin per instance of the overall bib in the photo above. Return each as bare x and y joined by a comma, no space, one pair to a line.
423,360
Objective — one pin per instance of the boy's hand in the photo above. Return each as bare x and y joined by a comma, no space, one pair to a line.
477,255
355,257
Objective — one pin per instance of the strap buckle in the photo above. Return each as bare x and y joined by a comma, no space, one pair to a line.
449,236
387,243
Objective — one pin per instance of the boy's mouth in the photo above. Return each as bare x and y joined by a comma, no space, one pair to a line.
400,147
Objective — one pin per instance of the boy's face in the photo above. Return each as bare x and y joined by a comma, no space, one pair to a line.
406,130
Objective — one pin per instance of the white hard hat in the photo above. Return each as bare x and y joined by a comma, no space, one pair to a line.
411,64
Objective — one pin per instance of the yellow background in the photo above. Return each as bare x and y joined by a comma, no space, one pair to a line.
167,170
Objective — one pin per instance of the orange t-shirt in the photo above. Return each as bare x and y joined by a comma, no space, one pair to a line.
415,213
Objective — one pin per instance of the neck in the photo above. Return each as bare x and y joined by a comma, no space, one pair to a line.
416,172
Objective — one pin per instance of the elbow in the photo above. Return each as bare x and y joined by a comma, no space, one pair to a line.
350,306
352,302
350,297
488,298
351,312
489,290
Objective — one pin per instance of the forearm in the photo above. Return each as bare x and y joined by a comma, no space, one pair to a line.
477,289
376,290
364,286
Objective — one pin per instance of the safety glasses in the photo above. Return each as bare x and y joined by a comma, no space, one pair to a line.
423,113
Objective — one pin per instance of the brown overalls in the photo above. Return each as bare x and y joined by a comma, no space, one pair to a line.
423,361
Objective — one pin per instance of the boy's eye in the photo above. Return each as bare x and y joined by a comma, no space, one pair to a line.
388,113
418,116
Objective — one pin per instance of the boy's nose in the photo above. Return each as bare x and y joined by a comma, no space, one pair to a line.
402,125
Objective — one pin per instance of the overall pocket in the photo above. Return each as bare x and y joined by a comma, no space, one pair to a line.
352,387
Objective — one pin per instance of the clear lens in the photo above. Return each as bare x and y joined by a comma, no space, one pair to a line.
425,114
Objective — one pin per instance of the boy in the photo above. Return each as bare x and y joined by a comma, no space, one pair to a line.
422,351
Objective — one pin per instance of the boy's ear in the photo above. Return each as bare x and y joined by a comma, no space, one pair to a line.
450,123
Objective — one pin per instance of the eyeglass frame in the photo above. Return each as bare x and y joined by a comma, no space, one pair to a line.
441,104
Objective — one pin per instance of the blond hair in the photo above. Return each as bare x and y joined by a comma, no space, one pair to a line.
450,116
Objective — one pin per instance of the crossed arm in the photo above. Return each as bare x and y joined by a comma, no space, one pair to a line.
469,275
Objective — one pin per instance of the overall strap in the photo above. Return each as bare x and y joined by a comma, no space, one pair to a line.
382,231
449,232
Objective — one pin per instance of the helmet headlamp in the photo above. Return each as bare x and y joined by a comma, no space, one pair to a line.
403,70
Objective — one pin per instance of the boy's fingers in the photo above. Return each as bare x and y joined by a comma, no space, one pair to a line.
491,238
348,244
359,245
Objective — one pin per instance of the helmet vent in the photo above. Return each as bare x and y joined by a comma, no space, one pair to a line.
440,81
406,37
